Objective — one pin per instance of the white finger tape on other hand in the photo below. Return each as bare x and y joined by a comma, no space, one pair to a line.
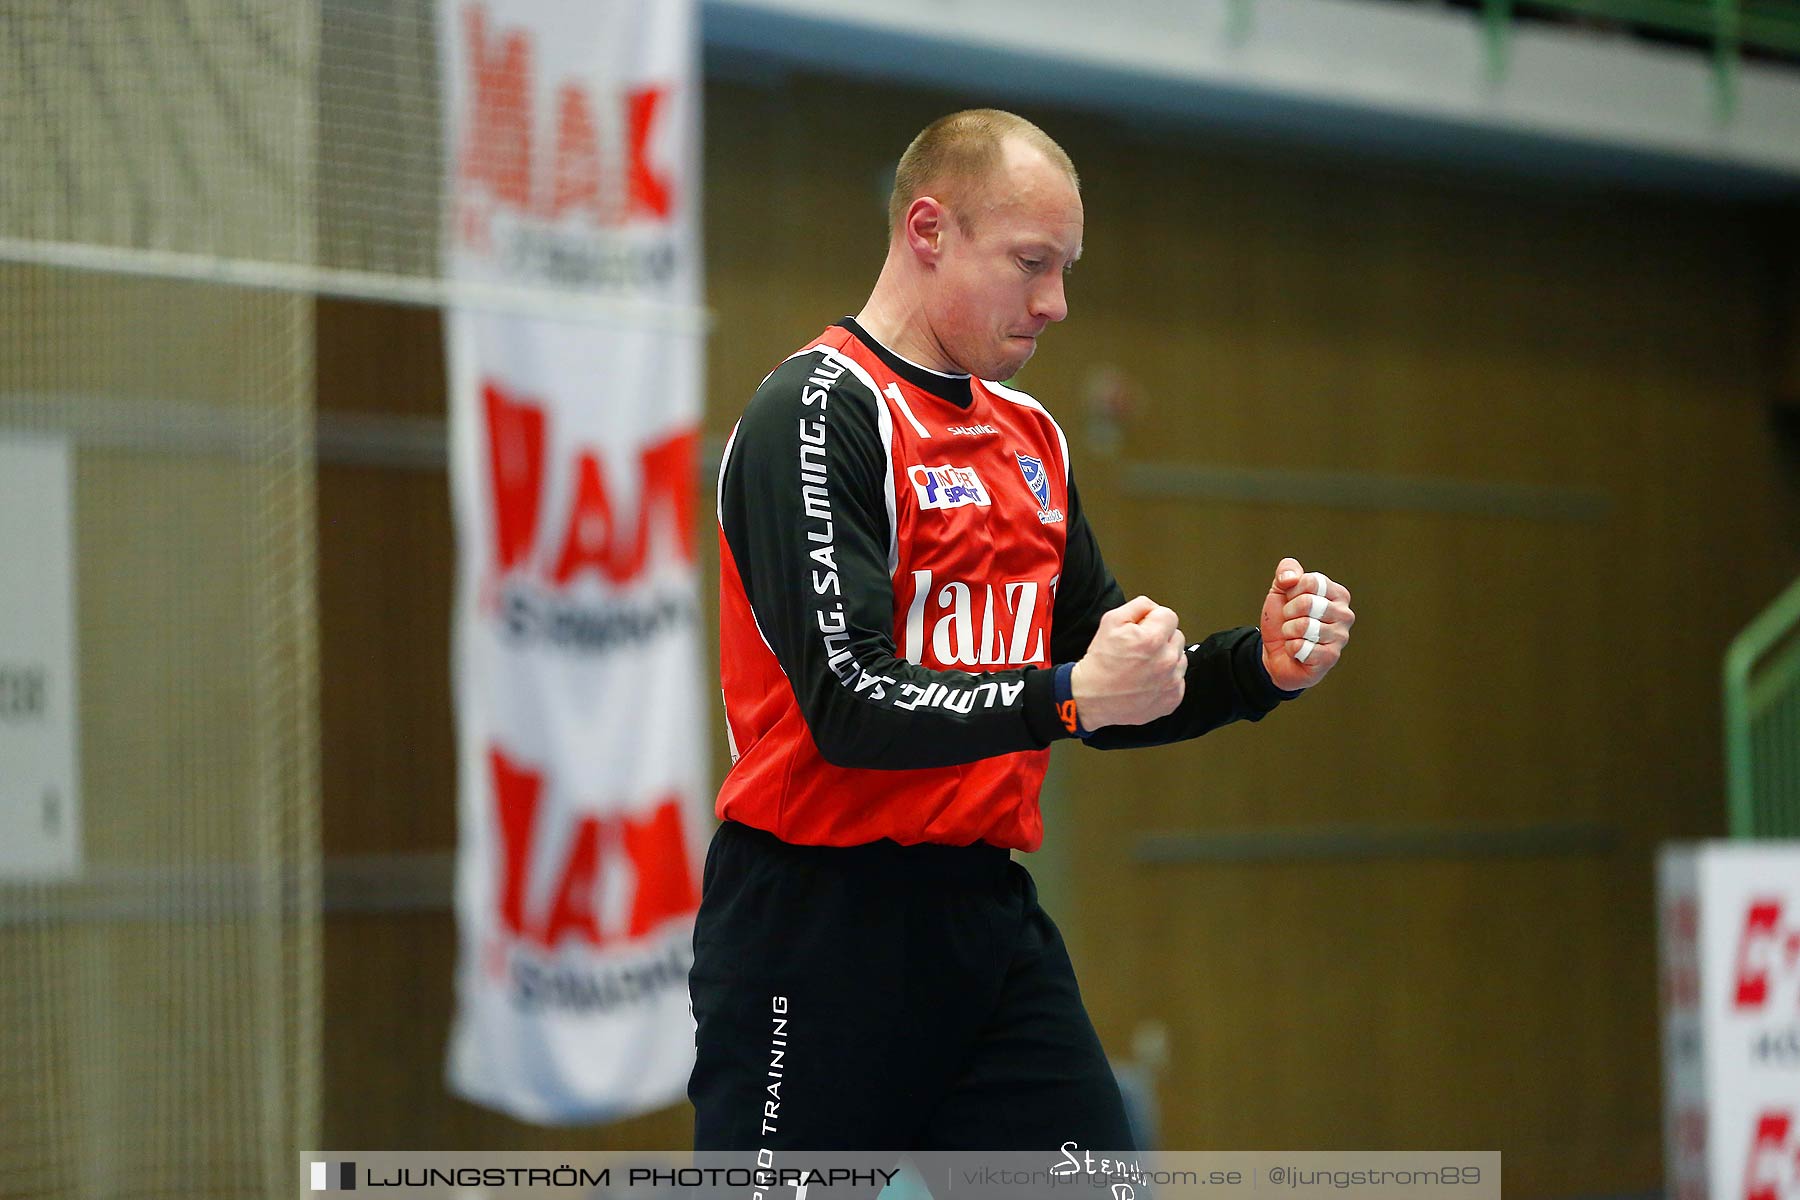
1321,582
1319,605
1304,652
1312,630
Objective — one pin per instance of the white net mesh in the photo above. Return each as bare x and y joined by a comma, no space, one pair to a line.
380,159
158,1006
175,125
179,179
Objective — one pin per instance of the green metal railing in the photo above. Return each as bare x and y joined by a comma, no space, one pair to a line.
1762,722
1731,26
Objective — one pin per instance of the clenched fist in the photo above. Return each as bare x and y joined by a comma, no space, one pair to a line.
1306,620
1135,669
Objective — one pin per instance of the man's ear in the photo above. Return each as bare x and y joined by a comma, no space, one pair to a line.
924,227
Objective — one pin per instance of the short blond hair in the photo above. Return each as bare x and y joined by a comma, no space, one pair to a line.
955,156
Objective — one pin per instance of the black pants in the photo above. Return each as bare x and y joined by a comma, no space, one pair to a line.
889,998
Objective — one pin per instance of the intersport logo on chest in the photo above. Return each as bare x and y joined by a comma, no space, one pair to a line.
947,487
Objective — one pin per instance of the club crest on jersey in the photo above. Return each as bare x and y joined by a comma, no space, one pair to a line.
1039,483
947,487
1035,479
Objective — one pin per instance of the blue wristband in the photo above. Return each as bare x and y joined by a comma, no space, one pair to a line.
1066,711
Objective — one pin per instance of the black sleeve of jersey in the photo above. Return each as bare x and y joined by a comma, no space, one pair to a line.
1225,677
803,505
1086,592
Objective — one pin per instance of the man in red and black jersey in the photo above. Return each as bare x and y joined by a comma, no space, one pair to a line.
913,607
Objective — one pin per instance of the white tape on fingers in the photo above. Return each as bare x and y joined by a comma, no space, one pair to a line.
1304,652
1312,630
1319,605
1321,581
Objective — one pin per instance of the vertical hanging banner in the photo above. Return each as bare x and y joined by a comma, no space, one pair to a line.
571,138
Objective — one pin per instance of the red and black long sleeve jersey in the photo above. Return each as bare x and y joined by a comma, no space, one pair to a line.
903,557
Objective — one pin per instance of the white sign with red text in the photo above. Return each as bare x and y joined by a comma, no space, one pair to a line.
571,133
1730,933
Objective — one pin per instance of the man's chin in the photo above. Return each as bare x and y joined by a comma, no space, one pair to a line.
1017,353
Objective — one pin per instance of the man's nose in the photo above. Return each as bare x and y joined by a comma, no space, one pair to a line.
1049,303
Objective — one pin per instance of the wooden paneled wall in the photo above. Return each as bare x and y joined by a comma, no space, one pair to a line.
1540,678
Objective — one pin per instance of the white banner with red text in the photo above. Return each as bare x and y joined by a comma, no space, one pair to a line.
1730,933
571,133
